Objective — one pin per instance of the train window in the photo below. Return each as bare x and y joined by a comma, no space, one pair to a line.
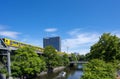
15,42
10,42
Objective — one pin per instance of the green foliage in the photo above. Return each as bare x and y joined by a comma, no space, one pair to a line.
59,60
81,57
116,64
3,70
98,69
51,57
73,57
88,56
107,48
65,59
26,62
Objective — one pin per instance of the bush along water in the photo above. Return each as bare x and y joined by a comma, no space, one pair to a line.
98,69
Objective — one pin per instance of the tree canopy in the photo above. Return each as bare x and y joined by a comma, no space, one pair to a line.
52,58
26,62
107,48
73,57
65,59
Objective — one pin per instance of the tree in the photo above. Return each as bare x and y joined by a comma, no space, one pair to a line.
87,56
73,57
3,65
65,60
51,57
107,48
26,62
81,57
98,69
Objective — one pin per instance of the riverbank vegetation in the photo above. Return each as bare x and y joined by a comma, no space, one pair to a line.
104,58
99,69
26,63
53,60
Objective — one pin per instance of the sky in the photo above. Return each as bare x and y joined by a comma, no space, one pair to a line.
79,23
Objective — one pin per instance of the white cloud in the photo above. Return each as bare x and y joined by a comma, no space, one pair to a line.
118,35
50,30
10,34
79,42
74,32
2,27
7,33
82,51
82,41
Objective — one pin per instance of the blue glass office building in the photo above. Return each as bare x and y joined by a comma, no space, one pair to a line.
52,41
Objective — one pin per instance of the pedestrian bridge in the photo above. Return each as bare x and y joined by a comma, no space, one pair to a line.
78,62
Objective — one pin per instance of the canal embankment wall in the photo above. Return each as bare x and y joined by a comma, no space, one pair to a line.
57,69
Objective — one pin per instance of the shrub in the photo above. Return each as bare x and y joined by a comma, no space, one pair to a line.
98,69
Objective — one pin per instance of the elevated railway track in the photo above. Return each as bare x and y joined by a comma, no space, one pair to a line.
14,45
8,45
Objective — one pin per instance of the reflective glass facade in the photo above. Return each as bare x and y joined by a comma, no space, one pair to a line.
52,41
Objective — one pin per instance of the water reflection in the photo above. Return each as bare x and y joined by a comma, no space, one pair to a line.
71,73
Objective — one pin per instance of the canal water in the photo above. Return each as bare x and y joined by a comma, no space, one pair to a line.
71,73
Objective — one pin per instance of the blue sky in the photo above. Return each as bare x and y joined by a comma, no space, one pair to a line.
79,23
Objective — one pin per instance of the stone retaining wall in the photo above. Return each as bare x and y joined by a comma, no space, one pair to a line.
54,70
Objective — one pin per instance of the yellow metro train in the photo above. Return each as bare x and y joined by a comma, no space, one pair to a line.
13,43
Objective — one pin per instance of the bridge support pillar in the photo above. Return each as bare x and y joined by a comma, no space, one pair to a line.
8,63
